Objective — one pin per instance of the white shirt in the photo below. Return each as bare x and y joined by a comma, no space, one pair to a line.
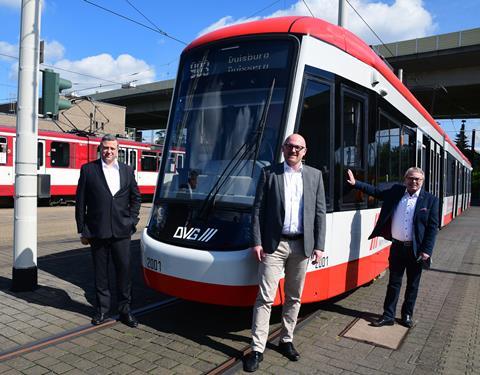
402,220
293,183
112,175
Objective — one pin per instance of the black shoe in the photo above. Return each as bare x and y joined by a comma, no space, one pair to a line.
252,361
407,321
287,349
99,318
129,320
383,321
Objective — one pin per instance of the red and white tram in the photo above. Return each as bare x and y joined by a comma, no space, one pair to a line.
240,91
60,156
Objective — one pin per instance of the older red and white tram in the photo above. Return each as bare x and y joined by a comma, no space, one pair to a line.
239,92
60,156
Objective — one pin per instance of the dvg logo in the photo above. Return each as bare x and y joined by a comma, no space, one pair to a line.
195,234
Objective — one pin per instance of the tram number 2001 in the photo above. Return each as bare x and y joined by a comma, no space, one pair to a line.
153,264
323,262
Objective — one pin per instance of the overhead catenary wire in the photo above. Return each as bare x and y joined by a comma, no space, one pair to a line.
91,76
264,8
371,29
308,8
156,29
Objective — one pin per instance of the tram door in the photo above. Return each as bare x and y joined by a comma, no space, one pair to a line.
428,164
41,169
455,190
129,157
437,169
460,188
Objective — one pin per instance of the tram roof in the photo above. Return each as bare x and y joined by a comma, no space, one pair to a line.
65,135
329,33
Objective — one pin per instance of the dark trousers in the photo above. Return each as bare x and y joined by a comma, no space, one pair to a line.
402,258
119,250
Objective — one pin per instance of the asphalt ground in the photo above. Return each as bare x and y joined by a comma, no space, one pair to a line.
189,338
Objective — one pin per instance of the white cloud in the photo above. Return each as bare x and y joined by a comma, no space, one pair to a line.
400,20
17,4
54,51
11,3
226,21
125,68
8,49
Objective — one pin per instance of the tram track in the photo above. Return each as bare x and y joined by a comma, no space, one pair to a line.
235,363
81,331
230,365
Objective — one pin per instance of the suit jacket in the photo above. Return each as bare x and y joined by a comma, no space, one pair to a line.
425,217
269,209
97,212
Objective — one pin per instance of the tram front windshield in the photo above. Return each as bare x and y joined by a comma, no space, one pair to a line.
225,122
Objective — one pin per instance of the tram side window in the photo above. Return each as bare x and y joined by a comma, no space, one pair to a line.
39,155
149,161
407,143
132,159
315,120
372,153
450,185
350,154
388,140
3,150
60,154
121,155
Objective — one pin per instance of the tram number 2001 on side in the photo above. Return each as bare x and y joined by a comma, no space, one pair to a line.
153,264
322,263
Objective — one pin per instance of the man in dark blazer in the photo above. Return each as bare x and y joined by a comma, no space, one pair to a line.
288,227
106,210
408,218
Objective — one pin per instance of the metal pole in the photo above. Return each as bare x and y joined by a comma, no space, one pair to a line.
24,275
342,15
400,74
473,143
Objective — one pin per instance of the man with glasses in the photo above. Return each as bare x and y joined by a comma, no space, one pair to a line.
408,218
288,228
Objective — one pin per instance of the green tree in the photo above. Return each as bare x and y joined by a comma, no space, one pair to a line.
461,138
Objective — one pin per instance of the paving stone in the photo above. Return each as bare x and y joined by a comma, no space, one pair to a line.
35,370
444,340
183,369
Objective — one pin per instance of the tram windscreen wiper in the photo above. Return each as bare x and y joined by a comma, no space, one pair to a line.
261,125
241,155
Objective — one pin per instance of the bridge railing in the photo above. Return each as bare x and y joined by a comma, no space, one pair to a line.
431,43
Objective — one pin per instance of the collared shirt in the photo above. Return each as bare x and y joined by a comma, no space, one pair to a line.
293,183
402,220
112,175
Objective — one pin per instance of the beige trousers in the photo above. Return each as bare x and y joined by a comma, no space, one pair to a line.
289,258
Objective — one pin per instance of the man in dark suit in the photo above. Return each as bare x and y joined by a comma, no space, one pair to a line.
408,218
106,210
288,228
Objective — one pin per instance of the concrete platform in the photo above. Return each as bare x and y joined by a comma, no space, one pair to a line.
193,338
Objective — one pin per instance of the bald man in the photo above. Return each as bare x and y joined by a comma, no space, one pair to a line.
288,228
